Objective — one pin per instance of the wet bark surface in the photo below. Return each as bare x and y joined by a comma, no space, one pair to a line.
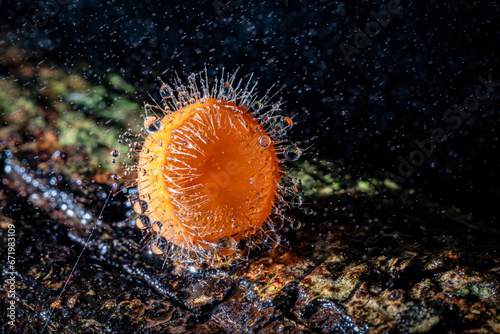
371,256
377,266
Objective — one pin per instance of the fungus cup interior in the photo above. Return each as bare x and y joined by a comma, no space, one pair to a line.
210,173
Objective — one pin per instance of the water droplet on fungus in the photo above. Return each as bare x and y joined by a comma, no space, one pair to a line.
271,239
286,123
152,124
295,224
157,226
308,211
155,249
140,207
142,222
293,153
226,246
264,141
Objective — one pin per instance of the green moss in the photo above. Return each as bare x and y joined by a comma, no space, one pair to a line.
117,82
391,185
121,109
365,187
86,118
324,179
338,289
87,136
479,290
92,98
15,105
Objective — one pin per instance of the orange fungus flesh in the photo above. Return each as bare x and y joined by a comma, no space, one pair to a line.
210,172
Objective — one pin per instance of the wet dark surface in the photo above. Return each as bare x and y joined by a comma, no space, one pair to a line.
378,265
370,110
373,256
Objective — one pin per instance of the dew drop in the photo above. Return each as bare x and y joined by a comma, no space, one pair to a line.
271,239
295,224
156,250
152,124
115,153
140,207
142,222
264,141
157,226
286,123
296,202
226,246
293,153
276,224
308,211
115,177
163,91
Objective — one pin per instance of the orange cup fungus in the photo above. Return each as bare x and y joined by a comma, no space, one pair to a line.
209,172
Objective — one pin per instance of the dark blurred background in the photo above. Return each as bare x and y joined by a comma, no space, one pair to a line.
367,109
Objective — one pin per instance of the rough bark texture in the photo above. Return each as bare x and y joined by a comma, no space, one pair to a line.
372,257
